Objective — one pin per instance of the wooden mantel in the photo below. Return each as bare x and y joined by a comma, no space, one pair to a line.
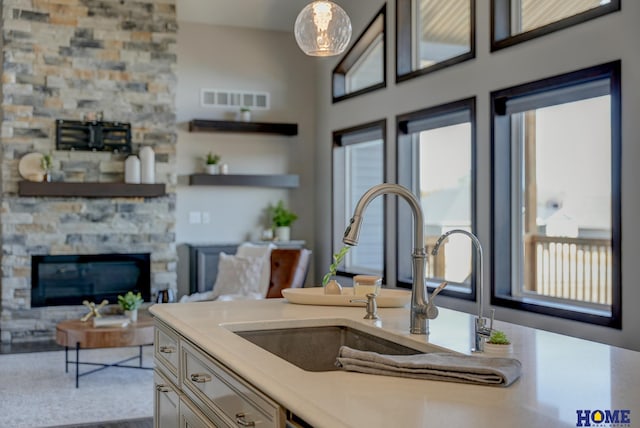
90,189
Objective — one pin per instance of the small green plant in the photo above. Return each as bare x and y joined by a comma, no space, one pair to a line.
498,338
46,163
212,159
244,109
333,268
282,217
130,301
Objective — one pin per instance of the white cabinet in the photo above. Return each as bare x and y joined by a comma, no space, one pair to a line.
191,417
166,402
192,389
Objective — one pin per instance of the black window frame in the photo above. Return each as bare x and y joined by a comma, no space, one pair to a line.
359,48
403,129
501,191
337,141
404,43
501,36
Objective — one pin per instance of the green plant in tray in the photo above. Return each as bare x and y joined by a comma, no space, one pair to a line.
282,217
130,301
212,159
498,338
46,163
333,267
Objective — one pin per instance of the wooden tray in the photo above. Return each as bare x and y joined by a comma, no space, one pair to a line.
387,298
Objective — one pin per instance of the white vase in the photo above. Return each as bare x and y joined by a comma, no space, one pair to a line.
283,233
132,170
212,168
492,349
147,165
132,315
333,287
245,116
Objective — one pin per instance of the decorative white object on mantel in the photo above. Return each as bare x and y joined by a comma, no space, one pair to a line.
283,233
212,168
132,170
147,165
493,349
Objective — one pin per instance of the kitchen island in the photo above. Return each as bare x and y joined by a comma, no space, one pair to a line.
562,377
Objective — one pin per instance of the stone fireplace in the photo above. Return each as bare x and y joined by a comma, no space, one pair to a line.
70,60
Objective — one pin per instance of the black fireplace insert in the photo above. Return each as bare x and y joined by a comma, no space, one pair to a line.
71,279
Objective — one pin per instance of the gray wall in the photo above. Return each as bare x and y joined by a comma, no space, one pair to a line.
251,60
608,38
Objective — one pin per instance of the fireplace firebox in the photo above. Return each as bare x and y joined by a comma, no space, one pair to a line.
71,279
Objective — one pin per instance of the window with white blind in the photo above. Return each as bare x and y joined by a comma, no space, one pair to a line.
358,164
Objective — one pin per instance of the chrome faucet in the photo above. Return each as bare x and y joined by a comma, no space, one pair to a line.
421,311
482,332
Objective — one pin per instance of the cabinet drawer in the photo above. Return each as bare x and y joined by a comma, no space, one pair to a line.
165,402
191,417
166,351
219,391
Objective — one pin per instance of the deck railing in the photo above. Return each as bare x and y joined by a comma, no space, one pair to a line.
570,268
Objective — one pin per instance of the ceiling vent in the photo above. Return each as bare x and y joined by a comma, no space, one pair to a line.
225,98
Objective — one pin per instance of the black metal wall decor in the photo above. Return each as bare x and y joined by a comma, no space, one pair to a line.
93,136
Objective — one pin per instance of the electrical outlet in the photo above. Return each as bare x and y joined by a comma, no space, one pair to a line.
195,217
206,217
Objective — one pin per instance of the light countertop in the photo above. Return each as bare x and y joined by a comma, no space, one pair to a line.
561,374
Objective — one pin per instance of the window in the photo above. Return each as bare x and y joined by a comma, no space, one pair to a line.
436,158
358,164
556,193
363,67
433,34
515,21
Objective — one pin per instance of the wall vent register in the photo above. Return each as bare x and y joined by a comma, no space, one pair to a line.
234,98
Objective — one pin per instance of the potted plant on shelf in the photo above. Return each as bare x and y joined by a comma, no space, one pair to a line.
498,343
130,303
331,286
211,162
245,114
282,219
46,163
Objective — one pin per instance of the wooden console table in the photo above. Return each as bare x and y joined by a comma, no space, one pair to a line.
83,335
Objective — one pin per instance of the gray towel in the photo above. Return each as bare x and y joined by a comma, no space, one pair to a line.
436,366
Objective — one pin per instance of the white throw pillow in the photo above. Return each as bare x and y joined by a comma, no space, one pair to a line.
237,275
248,249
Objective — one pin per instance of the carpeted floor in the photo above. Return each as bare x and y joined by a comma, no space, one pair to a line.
36,392
131,423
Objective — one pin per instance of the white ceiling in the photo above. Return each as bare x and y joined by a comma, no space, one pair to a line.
263,14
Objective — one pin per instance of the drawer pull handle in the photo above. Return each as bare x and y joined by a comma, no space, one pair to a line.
167,349
162,388
242,422
200,377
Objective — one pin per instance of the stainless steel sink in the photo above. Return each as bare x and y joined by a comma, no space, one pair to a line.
316,348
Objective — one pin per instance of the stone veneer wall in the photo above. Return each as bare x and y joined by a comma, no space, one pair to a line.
68,59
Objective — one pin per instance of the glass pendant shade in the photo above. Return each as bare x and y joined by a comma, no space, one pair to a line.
322,29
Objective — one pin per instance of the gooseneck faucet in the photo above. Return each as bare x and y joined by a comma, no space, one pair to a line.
419,302
481,329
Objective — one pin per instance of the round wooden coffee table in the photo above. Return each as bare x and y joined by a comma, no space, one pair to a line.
83,335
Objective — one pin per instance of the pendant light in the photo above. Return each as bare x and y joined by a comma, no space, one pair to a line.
322,29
